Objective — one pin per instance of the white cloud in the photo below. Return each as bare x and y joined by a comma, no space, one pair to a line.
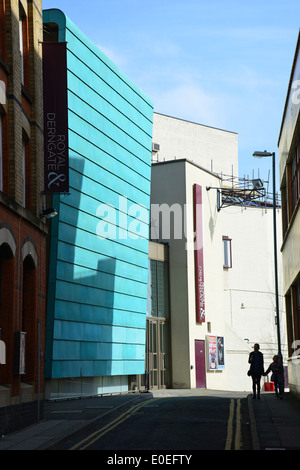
189,101
118,58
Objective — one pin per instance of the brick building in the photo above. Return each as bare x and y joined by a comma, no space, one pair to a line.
22,230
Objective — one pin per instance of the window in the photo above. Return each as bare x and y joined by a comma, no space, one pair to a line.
284,206
4,153
296,176
1,156
159,288
2,30
21,48
295,305
24,44
24,172
227,262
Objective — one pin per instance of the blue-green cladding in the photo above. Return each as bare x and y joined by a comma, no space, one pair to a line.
97,292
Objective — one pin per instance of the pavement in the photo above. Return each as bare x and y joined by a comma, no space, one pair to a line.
274,424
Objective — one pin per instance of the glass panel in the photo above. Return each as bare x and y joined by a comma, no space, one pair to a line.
158,289
149,293
163,289
162,378
164,337
153,288
21,49
227,252
154,338
157,353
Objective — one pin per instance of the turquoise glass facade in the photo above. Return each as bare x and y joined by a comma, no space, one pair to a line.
97,291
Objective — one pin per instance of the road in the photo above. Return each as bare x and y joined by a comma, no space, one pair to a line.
172,423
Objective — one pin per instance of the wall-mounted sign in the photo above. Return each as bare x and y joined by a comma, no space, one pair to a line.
56,147
19,352
215,353
2,352
198,247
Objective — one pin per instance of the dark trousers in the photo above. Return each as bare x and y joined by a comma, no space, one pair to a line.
279,387
256,383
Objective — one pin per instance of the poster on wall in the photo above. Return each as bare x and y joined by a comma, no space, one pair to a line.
212,352
199,262
220,353
215,353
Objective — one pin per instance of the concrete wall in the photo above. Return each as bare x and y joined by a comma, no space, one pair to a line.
249,290
240,301
172,184
211,148
213,272
168,187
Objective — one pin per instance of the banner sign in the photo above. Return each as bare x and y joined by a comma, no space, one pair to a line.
215,352
198,247
56,151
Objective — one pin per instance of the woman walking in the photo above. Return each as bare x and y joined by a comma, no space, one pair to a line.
256,359
277,376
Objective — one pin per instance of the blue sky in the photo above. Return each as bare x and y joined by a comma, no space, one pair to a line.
220,63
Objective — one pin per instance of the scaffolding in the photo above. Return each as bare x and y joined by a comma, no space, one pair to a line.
237,191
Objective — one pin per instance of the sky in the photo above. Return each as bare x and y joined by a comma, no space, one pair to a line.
220,63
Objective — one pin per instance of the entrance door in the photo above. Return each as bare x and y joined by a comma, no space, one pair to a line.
153,355
200,363
157,353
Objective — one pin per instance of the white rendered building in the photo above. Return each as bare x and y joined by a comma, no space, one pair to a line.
221,292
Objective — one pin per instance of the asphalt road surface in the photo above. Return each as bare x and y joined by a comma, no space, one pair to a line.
175,424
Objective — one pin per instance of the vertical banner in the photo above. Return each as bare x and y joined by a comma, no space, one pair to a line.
56,151
198,247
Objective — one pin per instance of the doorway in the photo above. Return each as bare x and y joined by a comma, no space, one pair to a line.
157,353
200,363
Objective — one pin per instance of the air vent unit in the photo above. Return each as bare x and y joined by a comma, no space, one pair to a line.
155,147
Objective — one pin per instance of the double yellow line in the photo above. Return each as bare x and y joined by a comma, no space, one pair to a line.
238,440
91,438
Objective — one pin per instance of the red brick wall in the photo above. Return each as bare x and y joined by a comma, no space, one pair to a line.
23,291
23,299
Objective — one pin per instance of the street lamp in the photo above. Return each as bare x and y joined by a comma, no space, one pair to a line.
262,155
